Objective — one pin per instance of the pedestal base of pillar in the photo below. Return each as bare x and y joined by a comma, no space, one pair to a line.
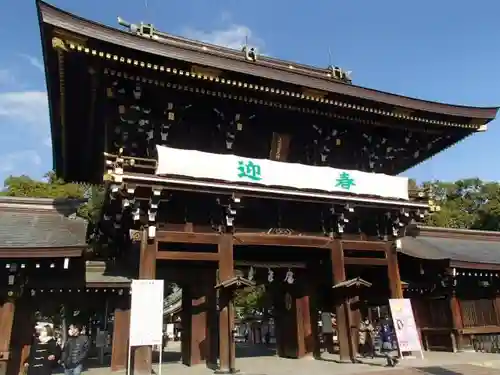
348,360
227,371
3,367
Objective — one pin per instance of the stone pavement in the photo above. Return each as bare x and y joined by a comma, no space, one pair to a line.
434,363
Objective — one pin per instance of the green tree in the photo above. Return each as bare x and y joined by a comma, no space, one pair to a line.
54,187
465,204
249,301
24,186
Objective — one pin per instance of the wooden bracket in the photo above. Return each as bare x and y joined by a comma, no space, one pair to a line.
356,282
234,283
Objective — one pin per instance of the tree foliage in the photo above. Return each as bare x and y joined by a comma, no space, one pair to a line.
252,300
466,204
54,187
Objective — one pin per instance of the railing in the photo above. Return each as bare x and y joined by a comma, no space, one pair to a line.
486,343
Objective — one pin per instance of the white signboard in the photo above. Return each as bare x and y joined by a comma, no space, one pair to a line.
232,168
146,313
405,326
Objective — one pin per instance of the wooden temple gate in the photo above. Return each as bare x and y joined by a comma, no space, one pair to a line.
205,264
213,156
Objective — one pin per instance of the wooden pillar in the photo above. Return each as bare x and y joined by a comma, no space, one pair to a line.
226,310
7,309
457,322
313,344
304,325
197,305
341,304
121,328
22,333
142,355
393,271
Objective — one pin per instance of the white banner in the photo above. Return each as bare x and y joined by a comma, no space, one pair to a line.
404,325
232,168
146,313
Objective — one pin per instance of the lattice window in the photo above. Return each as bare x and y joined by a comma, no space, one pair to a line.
432,313
478,313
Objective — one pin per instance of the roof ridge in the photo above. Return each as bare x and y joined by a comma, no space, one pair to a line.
477,232
41,204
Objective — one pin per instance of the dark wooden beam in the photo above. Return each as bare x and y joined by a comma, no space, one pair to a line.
262,239
474,265
364,245
187,237
187,255
480,330
40,252
195,228
365,261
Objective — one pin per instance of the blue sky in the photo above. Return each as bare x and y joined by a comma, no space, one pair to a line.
438,50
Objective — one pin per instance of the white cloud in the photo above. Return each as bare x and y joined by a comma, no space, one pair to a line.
12,161
234,36
28,107
28,112
6,78
48,141
35,62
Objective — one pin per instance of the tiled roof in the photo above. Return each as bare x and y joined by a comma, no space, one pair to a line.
40,223
98,272
463,250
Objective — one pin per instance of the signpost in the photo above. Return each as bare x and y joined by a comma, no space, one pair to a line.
146,316
405,326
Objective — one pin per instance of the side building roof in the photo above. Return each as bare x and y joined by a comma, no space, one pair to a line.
41,227
461,247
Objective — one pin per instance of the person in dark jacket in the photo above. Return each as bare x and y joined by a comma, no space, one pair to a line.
387,338
75,350
44,353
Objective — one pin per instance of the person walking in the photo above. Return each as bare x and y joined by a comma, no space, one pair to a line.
386,337
365,332
44,353
75,350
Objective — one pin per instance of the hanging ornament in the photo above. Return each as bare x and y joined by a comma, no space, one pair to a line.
137,92
251,274
289,277
270,275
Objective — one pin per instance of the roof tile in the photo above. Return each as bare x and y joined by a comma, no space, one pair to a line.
21,228
463,250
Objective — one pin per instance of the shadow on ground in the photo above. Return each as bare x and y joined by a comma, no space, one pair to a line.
244,350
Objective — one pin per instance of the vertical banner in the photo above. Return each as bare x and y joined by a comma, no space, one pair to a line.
146,313
405,326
